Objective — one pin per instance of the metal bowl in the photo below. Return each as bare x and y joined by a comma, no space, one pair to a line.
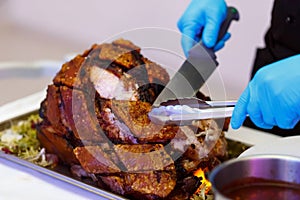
277,168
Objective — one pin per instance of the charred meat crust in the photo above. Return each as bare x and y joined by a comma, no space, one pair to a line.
56,144
146,185
135,115
94,159
107,133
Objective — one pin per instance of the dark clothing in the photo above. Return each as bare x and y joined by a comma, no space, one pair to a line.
283,37
282,40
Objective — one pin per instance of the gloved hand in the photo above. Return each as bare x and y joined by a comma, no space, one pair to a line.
272,98
206,16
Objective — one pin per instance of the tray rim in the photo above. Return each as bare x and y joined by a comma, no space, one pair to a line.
59,176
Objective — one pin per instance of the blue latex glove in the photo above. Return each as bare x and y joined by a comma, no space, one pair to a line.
206,16
272,98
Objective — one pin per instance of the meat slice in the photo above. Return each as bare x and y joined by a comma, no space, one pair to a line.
126,44
144,157
156,73
53,101
115,130
119,55
56,144
79,114
144,185
152,184
128,158
69,75
197,142
135,115
220,148
94,159
191,146
109,86
115,183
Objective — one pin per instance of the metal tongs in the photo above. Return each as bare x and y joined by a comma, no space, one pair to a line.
184,111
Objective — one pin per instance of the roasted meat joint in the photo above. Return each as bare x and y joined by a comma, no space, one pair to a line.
95,119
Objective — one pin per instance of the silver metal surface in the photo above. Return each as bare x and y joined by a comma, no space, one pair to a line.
186,118
222,103
272,167
191,75
61,177
185,115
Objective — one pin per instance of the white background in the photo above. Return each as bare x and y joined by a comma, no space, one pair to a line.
50,29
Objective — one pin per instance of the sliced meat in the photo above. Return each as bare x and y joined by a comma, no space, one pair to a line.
190,148
137,76
149,92
151,185
94,159
69,73
52,115
197,141
109,86
147,185
184,188
126,44
135,115
79,114
56,144
115,130
208,133
115,183
144,157
220,148
156,73
119,55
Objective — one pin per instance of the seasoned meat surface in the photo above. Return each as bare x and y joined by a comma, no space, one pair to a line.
95,119
146,185
135,115
95,160
144,157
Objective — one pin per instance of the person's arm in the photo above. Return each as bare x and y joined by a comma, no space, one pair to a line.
204,16
272,98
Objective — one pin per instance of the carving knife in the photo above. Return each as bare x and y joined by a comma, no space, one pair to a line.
197,68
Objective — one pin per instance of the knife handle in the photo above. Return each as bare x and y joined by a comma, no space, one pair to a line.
232,14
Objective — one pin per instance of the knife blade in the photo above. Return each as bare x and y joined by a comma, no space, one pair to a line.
197,68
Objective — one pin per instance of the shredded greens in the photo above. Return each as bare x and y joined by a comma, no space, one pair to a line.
21,140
